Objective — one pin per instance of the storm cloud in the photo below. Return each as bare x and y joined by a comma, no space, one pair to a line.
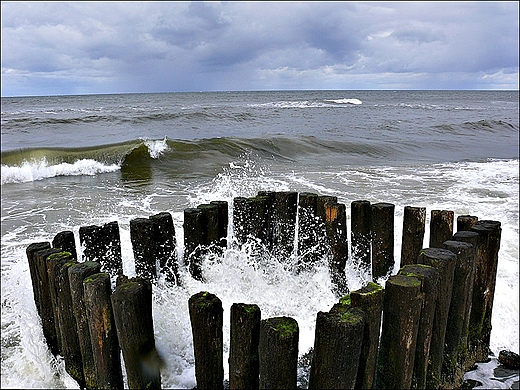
116,47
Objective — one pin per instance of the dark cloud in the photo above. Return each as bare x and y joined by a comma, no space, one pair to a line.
100,47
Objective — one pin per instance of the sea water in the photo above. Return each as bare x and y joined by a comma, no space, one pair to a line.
71,161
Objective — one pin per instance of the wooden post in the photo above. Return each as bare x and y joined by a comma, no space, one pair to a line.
453,366
278,353
323,250
484,289
77,273
444,261
45,298
102,332
33,270
165,243
286,208
370,300
470,238
223,221
70,348
401,315
51,264
210,225
270,218
336,228
414,221
143,244
103,244
257,209
382,240
441,227
337,348
193,241
466,222
206,325
132,308
430,279
307,230
243,346
240,220
65,240
113,261
360,233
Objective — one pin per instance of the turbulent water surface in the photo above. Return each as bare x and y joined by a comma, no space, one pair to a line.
81,160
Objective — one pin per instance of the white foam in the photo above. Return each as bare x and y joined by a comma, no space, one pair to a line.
39,170
156,148
345,101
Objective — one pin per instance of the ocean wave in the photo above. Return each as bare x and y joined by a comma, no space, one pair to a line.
326,103
346,101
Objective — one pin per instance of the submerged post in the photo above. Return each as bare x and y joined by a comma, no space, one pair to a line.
285,207
243,346
165,243
103,244
414,221
278,353
193,241
206,325
143,244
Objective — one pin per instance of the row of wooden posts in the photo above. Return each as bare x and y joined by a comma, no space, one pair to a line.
435,313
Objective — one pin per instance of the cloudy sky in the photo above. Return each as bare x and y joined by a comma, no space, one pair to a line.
53,48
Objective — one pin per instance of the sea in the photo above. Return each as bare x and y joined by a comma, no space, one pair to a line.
72,161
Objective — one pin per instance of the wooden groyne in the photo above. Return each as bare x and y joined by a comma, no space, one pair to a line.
428,324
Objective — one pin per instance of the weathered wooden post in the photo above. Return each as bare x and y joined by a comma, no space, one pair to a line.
430,279
257,209
336,229
51,264
337,348
307,229
382,228
78,273
206,325
132,308
113,261
278,353
223,221
484,288
243,346
165,243
455,349
46,303
102,332
143,244
270,218
240,220
414,221
370,300
320,207
470,238
466,222
70,348
33,269
193,241
65,240
441,227
360,233
286,208
103,244
210,225
444,261
401,315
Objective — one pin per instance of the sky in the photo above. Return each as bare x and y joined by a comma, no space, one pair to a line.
61,48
